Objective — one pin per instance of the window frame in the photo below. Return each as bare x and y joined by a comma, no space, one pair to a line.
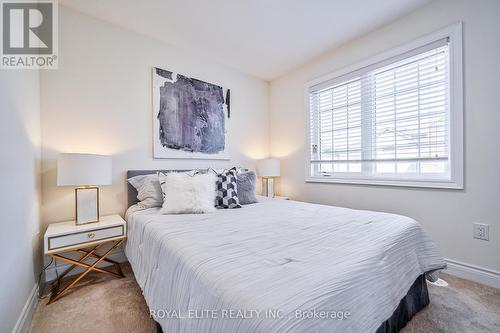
456,141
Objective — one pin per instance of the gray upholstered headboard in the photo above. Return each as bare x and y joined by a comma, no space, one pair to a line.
131,191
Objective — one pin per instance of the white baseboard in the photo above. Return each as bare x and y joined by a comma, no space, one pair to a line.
50,272
24,320
474,273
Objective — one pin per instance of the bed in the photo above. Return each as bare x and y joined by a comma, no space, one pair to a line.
280,266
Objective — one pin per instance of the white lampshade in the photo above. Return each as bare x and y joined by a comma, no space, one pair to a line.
268,168
83,170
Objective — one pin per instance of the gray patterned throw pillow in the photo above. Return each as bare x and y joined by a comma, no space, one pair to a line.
226,187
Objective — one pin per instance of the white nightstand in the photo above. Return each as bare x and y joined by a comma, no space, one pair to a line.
67,236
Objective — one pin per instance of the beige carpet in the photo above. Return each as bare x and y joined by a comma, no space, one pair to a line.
102,304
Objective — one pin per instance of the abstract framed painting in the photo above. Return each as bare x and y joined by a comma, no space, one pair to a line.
190,117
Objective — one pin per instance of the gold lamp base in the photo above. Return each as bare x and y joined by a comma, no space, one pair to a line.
87,204
268,187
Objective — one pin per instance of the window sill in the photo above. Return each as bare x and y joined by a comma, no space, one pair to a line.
389,182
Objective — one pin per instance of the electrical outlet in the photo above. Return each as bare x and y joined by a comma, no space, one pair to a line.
481,231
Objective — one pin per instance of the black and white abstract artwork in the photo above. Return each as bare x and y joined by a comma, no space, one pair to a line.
190,117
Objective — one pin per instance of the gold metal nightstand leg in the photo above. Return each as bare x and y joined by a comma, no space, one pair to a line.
88,254
58,294
83,265
95,255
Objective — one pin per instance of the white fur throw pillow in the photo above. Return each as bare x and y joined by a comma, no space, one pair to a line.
186,194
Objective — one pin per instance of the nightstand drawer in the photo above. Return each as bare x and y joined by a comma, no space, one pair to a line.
90,236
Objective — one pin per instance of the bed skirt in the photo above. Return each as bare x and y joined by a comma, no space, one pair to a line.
415,300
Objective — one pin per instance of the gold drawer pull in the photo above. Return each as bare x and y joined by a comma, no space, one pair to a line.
90,235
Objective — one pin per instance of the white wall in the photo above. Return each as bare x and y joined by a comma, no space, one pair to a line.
447,214
20,191
99,101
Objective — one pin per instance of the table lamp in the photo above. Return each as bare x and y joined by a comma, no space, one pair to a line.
85,171
268,169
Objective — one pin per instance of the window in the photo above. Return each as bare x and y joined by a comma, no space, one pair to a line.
395,121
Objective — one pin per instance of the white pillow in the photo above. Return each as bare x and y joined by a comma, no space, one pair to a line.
185,193
148,190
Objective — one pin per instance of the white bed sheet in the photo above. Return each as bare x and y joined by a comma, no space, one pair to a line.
276,257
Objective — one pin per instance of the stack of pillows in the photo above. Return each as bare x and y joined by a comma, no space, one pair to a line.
196,191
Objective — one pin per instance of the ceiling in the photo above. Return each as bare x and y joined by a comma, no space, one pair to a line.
265,38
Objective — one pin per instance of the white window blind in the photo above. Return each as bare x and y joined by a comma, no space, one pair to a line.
389,120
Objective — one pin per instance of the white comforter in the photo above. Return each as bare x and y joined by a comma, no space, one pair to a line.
276,261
